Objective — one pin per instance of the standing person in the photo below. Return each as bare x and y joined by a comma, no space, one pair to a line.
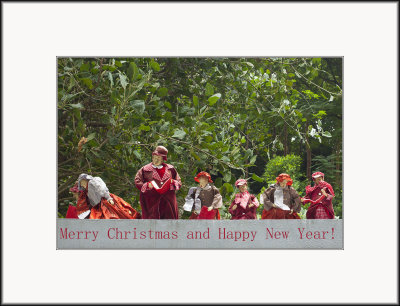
158,183
96,202
281,200
203,201
244,206
320,196
71,212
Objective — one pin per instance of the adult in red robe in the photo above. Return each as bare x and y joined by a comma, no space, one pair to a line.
158,202
320,196
281,200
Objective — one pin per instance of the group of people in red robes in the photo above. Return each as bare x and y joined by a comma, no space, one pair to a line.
159,181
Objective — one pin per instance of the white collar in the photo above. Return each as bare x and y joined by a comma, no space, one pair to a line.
157,167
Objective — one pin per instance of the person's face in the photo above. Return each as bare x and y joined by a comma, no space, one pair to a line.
319,179
243,188
84,183
157,160
283,183
203,180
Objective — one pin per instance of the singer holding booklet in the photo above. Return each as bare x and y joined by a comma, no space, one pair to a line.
157,183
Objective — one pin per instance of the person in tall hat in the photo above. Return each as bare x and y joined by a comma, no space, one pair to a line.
205,200
244,206
96,202
281,200
158,183
320,196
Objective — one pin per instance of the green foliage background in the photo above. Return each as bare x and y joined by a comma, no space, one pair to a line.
235,118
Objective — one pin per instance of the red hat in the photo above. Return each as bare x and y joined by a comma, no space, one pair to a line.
240,182
75,188
203,173
161,151
284,176
317,174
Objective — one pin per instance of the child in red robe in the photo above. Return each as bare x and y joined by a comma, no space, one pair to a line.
244,206
72,212
205,200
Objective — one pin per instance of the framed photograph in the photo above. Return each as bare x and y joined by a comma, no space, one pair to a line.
200,152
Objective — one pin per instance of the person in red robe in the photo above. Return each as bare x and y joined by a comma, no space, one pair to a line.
158,183
203,201
96,202
71,212
320,196
244,206
281,200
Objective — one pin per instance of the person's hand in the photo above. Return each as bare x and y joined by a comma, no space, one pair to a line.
324,192
273,205
302,200
150,186
234,207
251,205
291,211
111,201
210,208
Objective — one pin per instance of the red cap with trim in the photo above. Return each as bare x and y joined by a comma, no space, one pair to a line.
317,174
240,182
203,173
161,151
284,176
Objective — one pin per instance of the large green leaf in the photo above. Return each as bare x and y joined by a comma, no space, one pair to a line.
213,99
77,105
138,106
87,82
123,79
155,65
257,178
195,100
209,89
162,92
180,134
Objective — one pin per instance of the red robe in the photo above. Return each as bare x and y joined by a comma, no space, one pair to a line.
241,213
104,210
155,205
213,214
278,213
319,201
71,213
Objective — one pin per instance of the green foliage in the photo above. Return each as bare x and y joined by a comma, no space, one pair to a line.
289,164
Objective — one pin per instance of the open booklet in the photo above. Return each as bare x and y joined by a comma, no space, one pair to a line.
163,188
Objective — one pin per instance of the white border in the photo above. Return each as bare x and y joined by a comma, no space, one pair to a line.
35,33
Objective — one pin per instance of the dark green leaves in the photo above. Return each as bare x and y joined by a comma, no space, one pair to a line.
162,92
